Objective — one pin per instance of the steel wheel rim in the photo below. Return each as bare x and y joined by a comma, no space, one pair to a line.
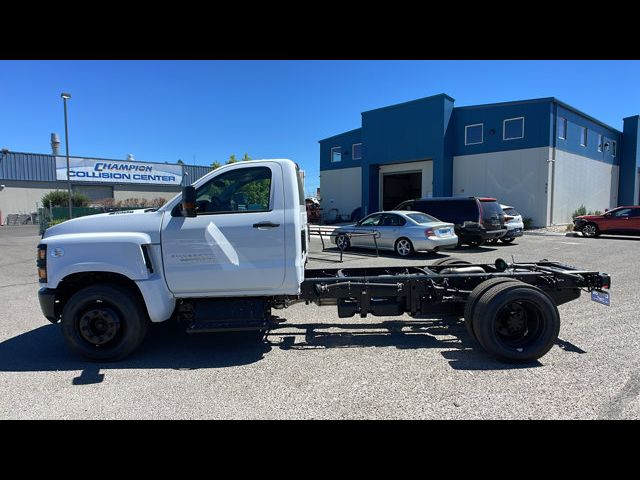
589,230
99,325
403,248
518,324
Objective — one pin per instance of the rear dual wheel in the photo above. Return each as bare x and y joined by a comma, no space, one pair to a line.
515,321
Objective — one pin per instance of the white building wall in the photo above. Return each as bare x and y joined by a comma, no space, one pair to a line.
582,181
426,167
22,196
515,177
340,189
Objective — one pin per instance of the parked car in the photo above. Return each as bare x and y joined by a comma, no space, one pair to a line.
617,221
404,232
513,222
476,219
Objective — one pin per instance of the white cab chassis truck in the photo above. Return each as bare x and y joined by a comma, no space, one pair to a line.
233,246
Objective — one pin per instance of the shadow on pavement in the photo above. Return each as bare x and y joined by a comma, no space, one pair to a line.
167,346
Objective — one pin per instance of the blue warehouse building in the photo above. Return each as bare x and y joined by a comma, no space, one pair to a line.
542,156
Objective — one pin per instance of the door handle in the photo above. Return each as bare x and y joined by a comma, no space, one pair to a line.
266,225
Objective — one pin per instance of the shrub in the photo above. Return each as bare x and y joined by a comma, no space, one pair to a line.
581,210
60,198
157,202
570,227
528,223
597,212
56,221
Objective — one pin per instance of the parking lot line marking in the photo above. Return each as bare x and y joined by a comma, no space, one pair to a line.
571,243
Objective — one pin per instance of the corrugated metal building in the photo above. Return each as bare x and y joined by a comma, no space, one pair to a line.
26,177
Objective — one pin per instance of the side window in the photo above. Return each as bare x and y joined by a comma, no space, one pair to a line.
239,190
390,220
623,212
371,221
635,212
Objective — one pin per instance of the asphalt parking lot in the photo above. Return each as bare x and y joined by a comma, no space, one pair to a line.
322,367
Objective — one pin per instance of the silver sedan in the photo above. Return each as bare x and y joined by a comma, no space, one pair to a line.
404,232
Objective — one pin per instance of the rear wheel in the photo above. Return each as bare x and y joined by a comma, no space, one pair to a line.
103,322
474,296
342,242
475,243
404,247
590,230
516,322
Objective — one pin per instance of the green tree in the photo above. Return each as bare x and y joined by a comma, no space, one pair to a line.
246,157
180,162
232,159
60,198
215,165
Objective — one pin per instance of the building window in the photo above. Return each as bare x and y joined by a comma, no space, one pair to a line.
356,153
613,149
473,134
513,128
583,136
599,143
562,128
336,154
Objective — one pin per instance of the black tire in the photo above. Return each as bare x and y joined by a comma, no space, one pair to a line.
507,240
474,296
343,238
451,261
590,230
516,322
104,322
403,247
475,243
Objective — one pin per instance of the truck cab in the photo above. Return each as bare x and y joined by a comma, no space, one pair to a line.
245,235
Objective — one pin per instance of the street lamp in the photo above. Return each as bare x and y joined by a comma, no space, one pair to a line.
66,96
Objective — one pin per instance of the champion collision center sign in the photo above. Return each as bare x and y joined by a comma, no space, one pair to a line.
117,171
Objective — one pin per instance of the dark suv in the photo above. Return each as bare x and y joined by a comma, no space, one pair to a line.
476,219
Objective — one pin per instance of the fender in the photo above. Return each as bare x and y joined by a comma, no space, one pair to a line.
115,252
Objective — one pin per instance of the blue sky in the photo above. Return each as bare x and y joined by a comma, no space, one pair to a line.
202,111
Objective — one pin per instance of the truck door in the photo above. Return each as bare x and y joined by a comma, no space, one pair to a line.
236,243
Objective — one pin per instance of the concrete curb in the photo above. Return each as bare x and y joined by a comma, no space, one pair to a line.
546,234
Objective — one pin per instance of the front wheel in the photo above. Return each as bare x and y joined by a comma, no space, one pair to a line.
404,247
103,322
590,230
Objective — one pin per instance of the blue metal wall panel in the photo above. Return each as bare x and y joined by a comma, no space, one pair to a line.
630,163
193,173
345,141
572,142
27,166
537,121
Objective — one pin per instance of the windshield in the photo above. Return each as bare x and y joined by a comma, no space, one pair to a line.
421,218
511,211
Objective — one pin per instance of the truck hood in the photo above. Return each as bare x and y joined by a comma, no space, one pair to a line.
139,221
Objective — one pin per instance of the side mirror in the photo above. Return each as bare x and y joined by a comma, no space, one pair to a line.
189,202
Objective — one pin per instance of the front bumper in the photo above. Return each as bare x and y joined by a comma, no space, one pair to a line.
47,298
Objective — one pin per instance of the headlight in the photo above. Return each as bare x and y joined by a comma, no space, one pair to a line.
41,263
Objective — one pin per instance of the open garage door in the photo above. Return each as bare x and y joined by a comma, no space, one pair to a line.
398,187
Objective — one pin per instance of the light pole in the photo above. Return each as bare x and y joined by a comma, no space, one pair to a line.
66,96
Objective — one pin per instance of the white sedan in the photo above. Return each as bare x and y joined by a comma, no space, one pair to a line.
404,232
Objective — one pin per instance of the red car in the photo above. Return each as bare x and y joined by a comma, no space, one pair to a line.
617,221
